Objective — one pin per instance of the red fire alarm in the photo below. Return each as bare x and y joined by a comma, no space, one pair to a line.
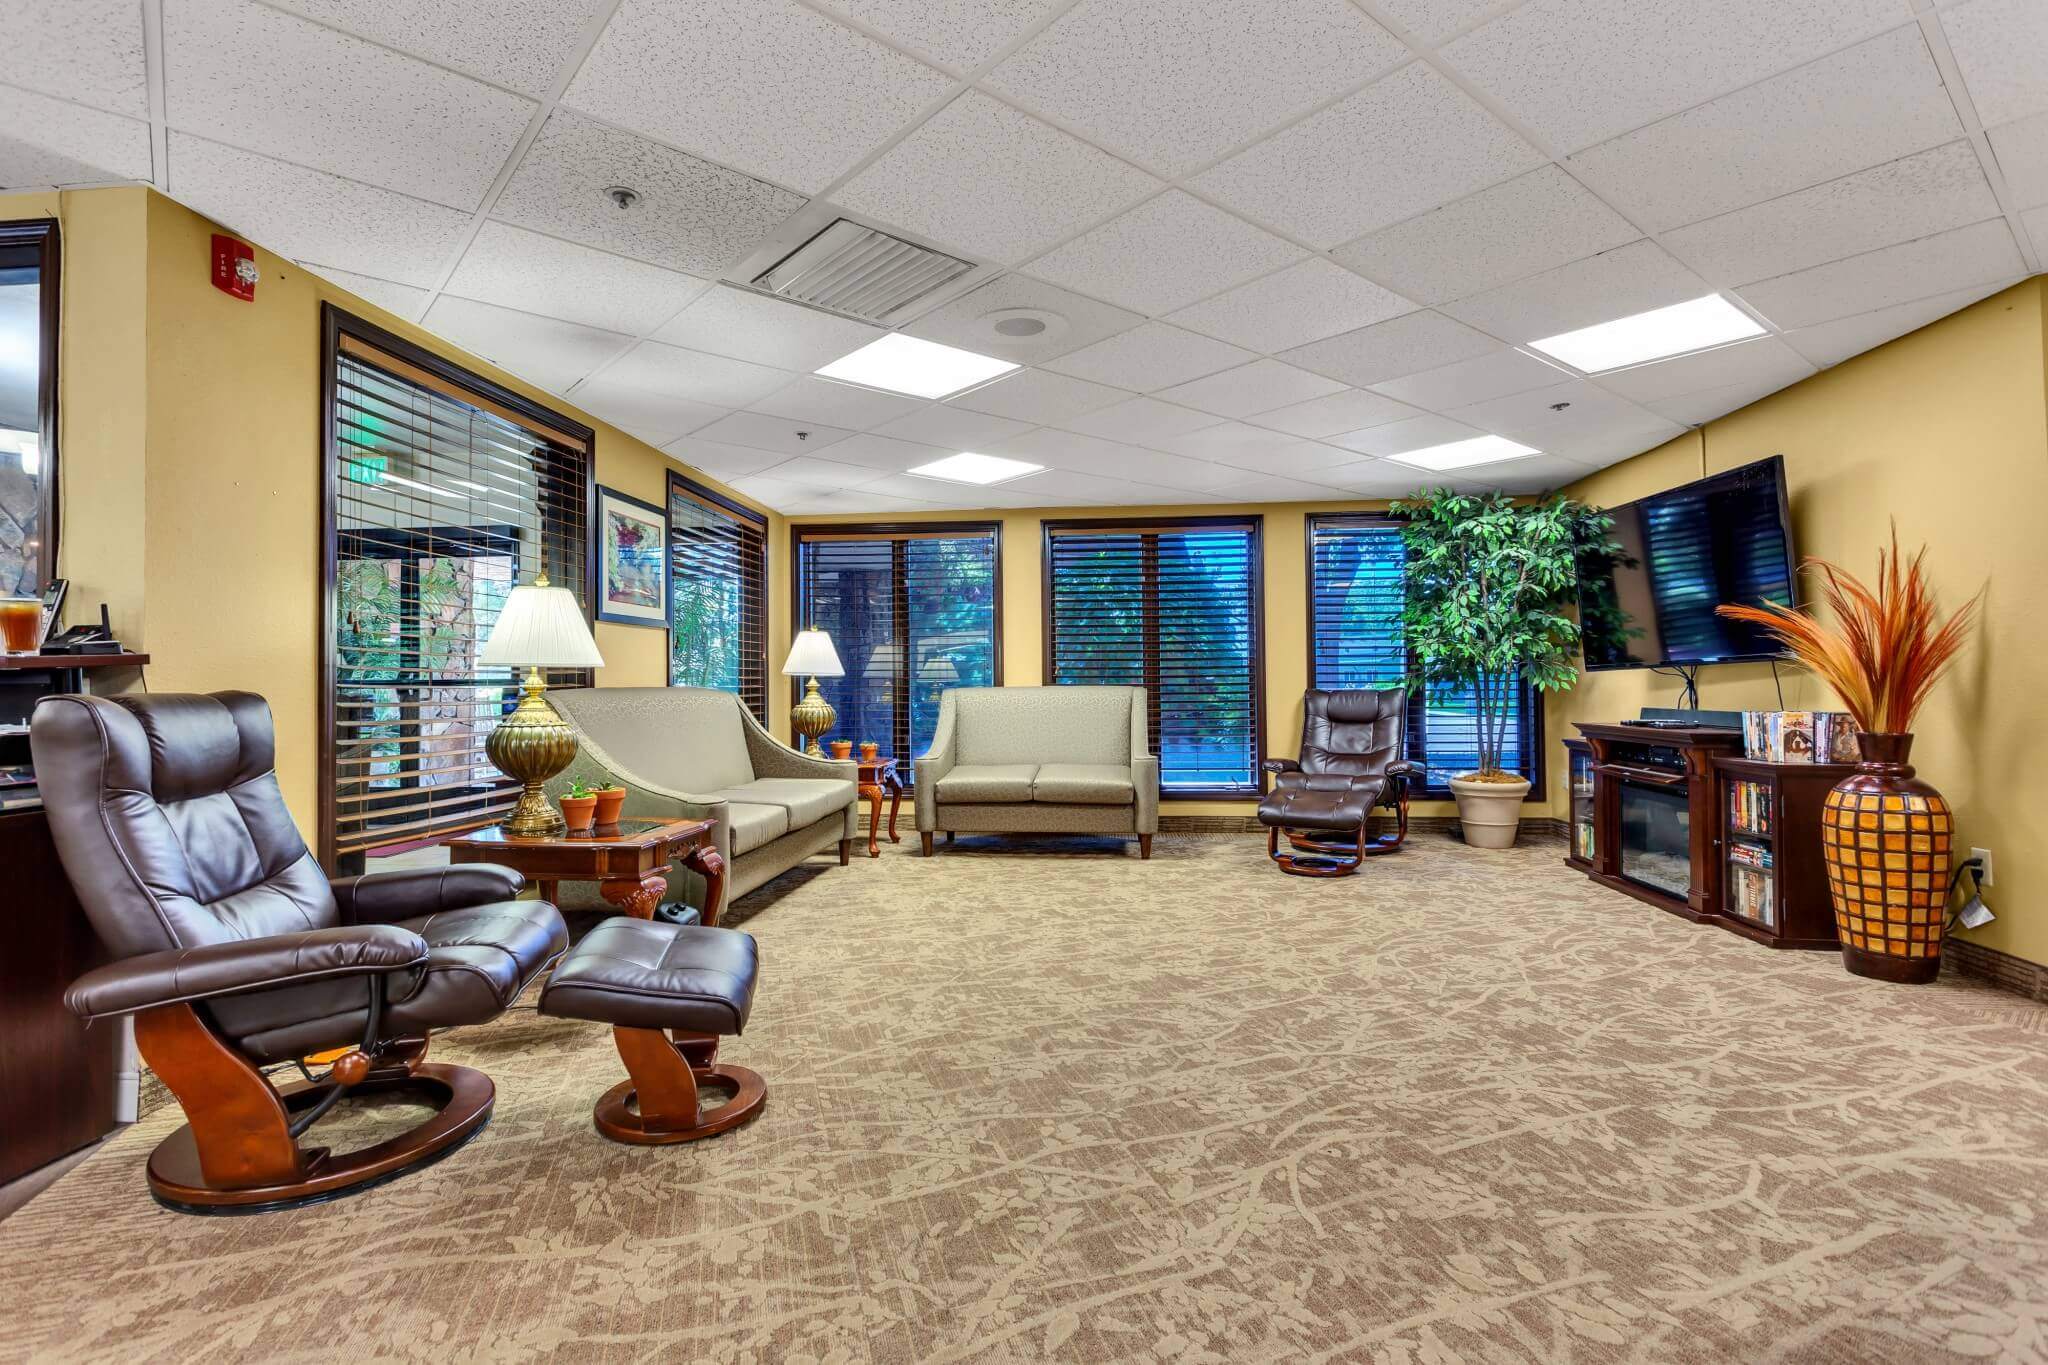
234,267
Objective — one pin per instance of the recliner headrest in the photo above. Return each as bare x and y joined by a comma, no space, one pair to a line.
201,744
1361,706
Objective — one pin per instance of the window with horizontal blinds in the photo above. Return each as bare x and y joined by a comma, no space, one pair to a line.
911,611
439,498
1357,587
718,594
1173,608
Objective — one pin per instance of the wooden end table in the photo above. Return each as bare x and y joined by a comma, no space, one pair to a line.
628,861
877,777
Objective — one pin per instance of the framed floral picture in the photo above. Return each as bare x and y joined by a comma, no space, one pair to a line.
632,560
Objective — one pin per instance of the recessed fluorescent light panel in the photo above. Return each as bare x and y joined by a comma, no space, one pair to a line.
922,369
1660,333
968,467
1458,454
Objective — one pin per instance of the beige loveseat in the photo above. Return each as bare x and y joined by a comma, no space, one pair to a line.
697,753
1044,760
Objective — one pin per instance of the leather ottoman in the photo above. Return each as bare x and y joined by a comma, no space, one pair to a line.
1335,807
646,978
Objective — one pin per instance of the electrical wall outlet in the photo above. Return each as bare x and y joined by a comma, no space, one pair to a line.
1983,857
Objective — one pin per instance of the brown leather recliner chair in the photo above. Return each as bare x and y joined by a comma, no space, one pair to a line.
1350,764
235,952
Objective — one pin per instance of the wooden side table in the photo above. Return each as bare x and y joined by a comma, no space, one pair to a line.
628,861
878,776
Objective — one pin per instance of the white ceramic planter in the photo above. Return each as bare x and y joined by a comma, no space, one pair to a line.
1491,812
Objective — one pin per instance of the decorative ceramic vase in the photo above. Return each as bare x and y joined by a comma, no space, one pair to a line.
610,800
578,812
1490,812
1885,839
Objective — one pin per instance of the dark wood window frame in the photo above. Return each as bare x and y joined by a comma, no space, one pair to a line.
691,489
1532,702
340,330
799,535
46,235
1256,523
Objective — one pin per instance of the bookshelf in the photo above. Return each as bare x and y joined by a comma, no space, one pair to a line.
1773,887
1582,826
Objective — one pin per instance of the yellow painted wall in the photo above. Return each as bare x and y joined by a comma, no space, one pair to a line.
190,458
1946,431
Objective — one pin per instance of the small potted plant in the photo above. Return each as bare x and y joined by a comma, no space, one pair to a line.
609,801
869,750
842,748
1488,581
579,806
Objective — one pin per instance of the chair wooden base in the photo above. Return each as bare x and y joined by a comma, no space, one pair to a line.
658,1102
1320,859
236,1153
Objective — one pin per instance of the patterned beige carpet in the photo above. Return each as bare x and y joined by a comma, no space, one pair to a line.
1056,1103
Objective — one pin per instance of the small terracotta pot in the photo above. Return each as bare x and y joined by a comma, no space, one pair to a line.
579,811
609,799
842,748
869,750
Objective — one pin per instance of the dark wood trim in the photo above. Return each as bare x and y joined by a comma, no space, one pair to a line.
45,234
887,530
1049,529
691,489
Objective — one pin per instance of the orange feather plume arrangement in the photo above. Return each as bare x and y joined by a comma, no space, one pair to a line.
1885,648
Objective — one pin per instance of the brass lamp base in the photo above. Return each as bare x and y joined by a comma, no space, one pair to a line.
811,717
530,746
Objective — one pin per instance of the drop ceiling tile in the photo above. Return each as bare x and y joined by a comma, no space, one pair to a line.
284,87
956,429
841,405
1387,350
691,216
722,461
1145,421
1941,264
781,494
1762,360
2035,223
317,216
1277,488
1914,196
822,473
1515,229
84,50
713,379
1335,413
969,321
1615,284
1581,71
1303,303
654,417
1431,21
1998,45
958,34
987,181
1875,102
952,493
1525,474
1250,447
1153,356
1398,438
538,274
1258,387
1703,406
886,452
1310,460
864,499
1595,418
1495,375
1146,78
764,86
544,351
1382,479
1165,254
768,331
47,142
521,44
1112,459
1038,396
1417,140
1059,486
1831,343
2022,151
392,297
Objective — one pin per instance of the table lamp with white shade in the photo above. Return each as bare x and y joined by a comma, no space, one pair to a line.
540,626
811,655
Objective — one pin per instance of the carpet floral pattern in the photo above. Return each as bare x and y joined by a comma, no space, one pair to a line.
1050,1102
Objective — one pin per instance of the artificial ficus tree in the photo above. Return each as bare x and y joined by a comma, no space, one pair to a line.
1488,583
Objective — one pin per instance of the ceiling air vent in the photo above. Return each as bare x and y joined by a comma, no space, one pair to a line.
860,272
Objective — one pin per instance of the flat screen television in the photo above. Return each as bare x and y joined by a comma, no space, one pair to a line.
1684,552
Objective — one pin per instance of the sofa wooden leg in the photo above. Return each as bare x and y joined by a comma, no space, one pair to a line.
924,842
950,837
845,852
1144,846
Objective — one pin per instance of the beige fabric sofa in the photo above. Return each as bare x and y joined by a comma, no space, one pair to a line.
1054,760
697,753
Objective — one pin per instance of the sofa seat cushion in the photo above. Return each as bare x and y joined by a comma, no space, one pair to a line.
807,799
985,782
1086,784
756,826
